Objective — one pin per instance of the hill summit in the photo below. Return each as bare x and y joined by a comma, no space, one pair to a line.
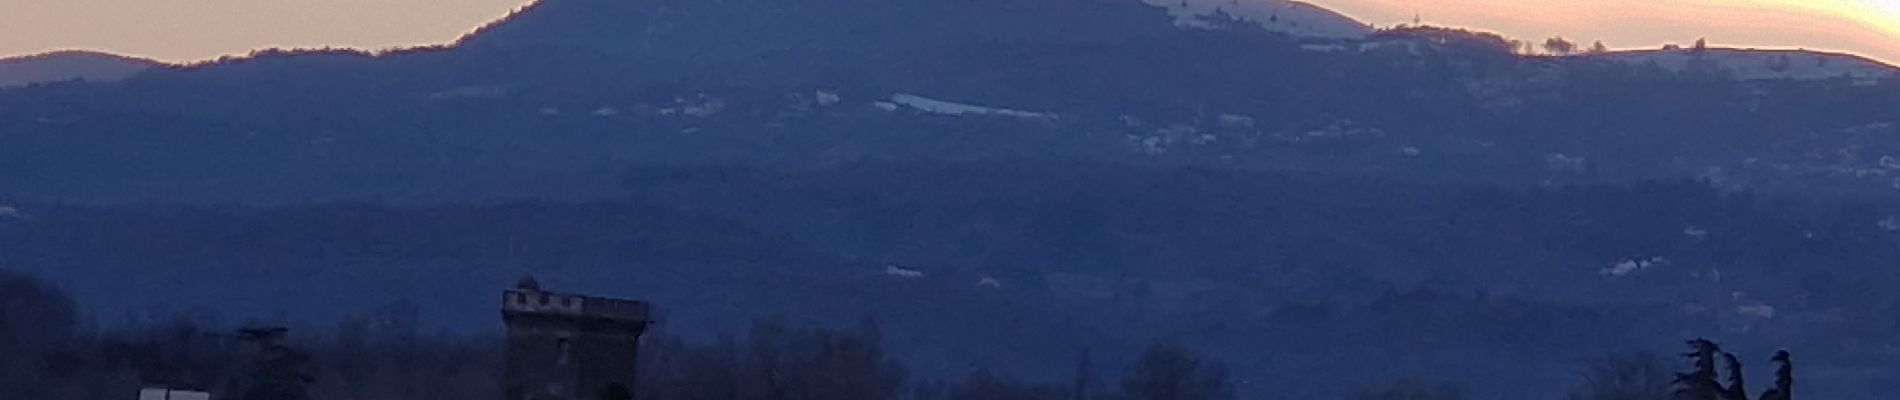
69,65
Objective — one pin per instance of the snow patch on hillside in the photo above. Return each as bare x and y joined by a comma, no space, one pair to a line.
1284,16
1408,47
1756,310
1324,48
902,272
935,106
1762,64
989,282
1632,265
1695,232
825,98
1561,162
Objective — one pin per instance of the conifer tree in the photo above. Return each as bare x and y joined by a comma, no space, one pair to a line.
1700,383
1784,379
1737,389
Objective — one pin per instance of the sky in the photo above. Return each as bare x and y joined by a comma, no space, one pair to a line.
189,30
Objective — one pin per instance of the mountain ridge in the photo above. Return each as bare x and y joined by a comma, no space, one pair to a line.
1761,64
68,65
718,31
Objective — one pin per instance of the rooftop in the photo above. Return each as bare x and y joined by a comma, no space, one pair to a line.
527,298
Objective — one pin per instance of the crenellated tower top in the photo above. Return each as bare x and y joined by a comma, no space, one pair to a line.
527,299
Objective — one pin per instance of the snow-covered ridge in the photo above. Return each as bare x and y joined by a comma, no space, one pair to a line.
1285,16
1761,64
935,106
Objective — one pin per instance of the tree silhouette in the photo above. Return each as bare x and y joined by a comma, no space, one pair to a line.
1784,378
1599,48
36,319
1560,46
1172,372
1737,389
282,373
1701,382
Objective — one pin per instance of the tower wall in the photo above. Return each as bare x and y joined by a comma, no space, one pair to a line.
568,347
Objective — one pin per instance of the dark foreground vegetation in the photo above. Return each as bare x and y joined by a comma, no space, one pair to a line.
51,353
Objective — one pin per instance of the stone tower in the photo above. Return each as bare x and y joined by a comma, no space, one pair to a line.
569,347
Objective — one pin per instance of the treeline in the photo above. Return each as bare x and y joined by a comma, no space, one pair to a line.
52,354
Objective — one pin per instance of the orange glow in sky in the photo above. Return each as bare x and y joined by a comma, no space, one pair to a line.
190,30
186,30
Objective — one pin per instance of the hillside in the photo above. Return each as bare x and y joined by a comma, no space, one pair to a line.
545,100
1763,64
676,32
69,65
1283,16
